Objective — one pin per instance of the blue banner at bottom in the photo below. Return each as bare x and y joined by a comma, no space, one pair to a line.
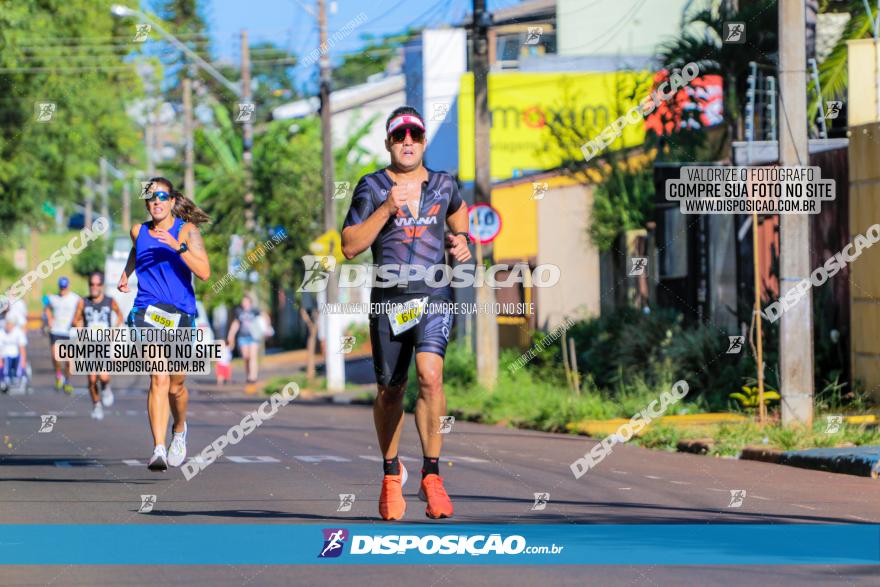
443,543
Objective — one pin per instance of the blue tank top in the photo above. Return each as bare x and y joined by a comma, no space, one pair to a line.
163,277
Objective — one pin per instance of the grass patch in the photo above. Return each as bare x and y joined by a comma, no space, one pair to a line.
534,399
319,384
730,439
46,244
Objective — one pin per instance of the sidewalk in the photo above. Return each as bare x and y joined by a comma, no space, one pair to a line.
285,363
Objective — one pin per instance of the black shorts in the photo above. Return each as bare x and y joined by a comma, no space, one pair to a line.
53,338
392,354
136,317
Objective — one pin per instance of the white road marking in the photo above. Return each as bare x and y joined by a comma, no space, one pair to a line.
619,472
653,477
680,482
244,460
319,458
469,459
761,498
134,463
805,507
624,488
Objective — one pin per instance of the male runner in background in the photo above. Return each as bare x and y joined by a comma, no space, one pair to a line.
95,312
399,212
60,310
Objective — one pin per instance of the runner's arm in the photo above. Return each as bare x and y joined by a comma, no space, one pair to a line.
357,238
78,320
458,220
115,308
130,263
363,222
50,319
196,256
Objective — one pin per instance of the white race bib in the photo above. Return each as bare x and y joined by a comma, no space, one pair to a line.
408,316
160,318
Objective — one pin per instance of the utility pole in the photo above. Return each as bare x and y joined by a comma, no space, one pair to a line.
796,329
486,322
334,360
247,134
105,198
189,185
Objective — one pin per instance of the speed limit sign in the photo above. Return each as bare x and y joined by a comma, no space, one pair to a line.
485,223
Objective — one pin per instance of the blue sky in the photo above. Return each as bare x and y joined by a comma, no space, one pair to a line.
288,24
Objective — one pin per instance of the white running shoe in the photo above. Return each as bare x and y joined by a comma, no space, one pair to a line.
107,397
177,451
157,461
98,412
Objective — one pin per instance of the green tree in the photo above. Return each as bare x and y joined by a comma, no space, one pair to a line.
373,58
700,42
833,70
67,53
287,189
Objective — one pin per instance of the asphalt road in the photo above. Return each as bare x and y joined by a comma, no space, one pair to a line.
293,468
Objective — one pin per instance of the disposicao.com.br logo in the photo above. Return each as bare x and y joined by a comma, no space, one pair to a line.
450,544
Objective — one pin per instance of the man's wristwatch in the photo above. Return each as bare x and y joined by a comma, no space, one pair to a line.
466,235
183,248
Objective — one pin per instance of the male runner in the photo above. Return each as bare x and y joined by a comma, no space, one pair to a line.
60,310
399,213
94,312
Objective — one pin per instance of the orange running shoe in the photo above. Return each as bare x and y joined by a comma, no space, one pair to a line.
391,503
432,491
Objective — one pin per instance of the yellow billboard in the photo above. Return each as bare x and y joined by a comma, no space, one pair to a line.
524,107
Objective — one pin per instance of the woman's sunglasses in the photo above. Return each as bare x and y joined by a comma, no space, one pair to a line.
162,196
399,135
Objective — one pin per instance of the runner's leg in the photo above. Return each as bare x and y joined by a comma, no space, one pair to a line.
388,418
391,358
179,399
431,403
93,388
158,406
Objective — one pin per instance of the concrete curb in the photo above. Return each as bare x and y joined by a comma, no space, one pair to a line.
863,461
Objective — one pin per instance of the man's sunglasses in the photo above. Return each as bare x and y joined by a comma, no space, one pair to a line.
95,284
162,196
399,135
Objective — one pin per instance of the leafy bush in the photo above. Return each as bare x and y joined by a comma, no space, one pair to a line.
92,257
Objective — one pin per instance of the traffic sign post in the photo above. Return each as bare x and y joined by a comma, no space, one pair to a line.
484,223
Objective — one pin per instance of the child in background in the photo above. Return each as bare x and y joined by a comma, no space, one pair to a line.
13,354
224,367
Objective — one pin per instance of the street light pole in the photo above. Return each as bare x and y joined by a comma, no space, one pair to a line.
247,134
334,360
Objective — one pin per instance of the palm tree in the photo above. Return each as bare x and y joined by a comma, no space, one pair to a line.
833,71
701,42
